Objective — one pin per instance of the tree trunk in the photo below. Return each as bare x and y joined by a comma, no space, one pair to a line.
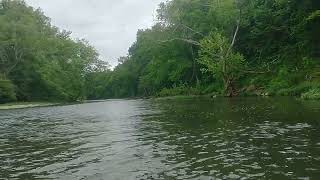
230,90
3,76
194,66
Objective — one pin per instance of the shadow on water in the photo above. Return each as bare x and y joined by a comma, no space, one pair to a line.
249,138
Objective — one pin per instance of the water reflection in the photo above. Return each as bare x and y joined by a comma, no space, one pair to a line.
238,138
248,138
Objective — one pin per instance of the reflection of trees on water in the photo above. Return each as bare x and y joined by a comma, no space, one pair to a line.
32,141
249,137
226,138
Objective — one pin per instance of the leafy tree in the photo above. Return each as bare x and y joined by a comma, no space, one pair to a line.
217,57
42,62
195,47
228,46
7,92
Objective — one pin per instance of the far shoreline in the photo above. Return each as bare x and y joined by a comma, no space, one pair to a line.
23,105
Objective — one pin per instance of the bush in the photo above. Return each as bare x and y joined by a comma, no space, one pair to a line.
312,94
7,92
179,90
280,81
299,89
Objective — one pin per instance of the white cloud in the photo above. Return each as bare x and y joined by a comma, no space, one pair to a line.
109,25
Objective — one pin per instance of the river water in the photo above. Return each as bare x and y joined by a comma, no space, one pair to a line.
241,138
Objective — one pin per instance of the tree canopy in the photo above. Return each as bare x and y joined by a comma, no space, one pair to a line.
41,61
228,47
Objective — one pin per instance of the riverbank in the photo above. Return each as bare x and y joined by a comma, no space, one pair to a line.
22,105
178,97
310,95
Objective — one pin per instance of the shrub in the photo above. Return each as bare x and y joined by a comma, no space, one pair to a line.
299,89
7,92
312,94
179,90
281,81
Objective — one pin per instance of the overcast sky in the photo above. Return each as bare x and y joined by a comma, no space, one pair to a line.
109,25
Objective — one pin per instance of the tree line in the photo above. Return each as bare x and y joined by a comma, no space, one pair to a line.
39,62
230,47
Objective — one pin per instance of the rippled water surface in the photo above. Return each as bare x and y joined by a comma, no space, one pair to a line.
243,138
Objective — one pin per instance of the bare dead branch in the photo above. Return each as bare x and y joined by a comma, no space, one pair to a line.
255,72
190,41
190,29
234,38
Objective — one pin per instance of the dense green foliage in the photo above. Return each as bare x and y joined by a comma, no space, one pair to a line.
41,61
228,47
312,94
7,92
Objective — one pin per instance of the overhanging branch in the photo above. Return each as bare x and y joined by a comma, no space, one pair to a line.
190,41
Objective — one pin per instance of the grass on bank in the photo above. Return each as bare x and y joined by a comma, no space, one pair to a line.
311,94
305,90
